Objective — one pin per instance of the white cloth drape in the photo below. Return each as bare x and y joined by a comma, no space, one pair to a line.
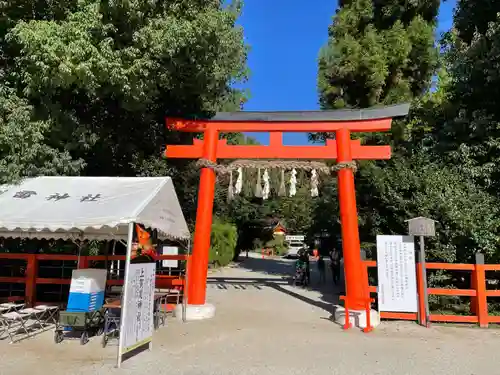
314,183
238,187
293,183
267,188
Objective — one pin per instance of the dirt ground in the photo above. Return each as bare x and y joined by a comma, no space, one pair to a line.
265,326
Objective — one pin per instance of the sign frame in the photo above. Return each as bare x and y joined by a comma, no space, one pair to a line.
127,289
295,237
396,269
169,250
421,226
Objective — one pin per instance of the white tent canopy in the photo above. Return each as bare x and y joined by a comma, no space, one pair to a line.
90,208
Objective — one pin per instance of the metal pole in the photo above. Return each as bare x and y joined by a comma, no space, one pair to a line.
130,238
186,272
424,279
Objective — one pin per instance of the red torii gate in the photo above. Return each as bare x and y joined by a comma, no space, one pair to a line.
343,149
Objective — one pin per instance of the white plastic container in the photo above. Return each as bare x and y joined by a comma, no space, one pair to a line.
89,280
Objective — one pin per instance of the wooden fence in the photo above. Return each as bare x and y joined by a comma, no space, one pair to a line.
478,293
30,272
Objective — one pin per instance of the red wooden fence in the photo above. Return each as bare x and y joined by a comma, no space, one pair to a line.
479,294
31,279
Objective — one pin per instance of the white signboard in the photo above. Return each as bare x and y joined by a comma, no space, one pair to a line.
295,238
170,250
397,284
136,327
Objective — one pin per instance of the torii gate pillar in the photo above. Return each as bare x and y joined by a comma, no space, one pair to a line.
198,266
355,279
343,149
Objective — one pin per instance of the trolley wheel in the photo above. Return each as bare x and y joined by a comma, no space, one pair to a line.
104,340
84,338
99,331
58,336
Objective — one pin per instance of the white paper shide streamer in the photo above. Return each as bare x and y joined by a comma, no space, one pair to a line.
293,183
238,187
267,187
314,183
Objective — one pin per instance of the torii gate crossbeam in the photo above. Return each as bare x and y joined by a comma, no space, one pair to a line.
343,149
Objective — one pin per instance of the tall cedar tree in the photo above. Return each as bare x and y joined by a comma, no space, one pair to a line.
471,134
383,52
379,52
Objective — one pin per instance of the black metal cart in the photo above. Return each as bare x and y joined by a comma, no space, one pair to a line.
112,317
83,323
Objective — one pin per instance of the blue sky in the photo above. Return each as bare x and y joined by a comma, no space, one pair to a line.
285,37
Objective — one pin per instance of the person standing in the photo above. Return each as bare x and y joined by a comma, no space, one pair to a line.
335,265
321,269
304,257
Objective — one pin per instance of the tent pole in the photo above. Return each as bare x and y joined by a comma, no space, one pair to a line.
130,238
113,252
186,276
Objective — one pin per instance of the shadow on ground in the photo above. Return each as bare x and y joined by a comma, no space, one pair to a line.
280,278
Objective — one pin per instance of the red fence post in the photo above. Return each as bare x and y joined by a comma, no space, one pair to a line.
473,285
481,303
31,275
422,316
83,262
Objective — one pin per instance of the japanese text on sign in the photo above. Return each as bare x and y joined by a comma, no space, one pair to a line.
397,285
137,325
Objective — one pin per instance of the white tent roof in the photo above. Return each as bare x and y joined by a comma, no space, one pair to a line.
90,207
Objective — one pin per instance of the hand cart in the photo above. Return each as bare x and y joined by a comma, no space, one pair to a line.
112,316
84,323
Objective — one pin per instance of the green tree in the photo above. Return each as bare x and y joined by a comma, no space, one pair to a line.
23,148
378,52
107,73
470,137
383,52
223,243
407,187
94,81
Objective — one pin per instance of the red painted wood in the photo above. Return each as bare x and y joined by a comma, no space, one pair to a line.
31,275
453,318
199,126
277,151
198,264
452,292
356,278
398,315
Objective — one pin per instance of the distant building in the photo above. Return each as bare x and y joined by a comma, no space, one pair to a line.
279,229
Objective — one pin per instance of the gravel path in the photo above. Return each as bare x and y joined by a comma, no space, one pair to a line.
264,326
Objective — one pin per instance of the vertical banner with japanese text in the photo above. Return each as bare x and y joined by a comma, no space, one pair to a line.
138,309
397,282
138,297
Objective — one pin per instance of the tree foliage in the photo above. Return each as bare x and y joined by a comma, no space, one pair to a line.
86,86
379,52
406,187
103,75
223,243
383,52
24,151
470,133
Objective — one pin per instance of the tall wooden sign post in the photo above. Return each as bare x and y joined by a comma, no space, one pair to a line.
422,227
343,149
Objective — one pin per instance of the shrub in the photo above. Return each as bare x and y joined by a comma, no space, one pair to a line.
278,245
224,238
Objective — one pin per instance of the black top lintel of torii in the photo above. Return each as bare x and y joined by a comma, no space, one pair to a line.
373,113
